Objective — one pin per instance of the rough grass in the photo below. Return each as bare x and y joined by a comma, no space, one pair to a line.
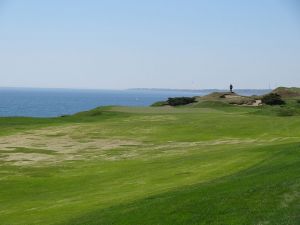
211,164
285,92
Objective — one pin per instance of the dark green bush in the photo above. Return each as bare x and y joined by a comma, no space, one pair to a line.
181,101
272,99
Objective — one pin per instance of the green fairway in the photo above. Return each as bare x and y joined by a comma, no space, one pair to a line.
207,164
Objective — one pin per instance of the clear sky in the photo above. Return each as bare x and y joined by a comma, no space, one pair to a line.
118,44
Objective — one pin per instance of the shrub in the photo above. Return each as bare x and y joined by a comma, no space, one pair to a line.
181,101
272,99
298,101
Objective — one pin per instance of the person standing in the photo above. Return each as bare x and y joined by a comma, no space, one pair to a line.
231,88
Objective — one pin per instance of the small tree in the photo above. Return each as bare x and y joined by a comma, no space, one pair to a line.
180,101
272,99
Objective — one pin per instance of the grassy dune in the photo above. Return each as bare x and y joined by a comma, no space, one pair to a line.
209,164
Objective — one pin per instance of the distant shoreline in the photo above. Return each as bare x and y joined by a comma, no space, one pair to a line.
195,90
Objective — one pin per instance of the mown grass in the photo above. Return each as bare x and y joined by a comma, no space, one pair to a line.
265,193
204,165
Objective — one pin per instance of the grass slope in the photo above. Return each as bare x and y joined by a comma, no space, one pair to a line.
211,164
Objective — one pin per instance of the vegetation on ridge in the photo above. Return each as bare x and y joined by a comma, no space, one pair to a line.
285,92
272,99
287,98
181,101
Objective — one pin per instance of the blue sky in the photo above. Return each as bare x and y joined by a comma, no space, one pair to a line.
118,44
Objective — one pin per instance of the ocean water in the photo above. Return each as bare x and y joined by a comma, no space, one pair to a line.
57,102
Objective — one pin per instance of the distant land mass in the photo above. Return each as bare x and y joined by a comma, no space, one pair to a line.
171,89
240,91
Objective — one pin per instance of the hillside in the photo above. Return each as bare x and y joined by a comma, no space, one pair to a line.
285,92
151,165
240,100
230,98
221,97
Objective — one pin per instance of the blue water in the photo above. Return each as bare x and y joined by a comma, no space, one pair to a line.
56,102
